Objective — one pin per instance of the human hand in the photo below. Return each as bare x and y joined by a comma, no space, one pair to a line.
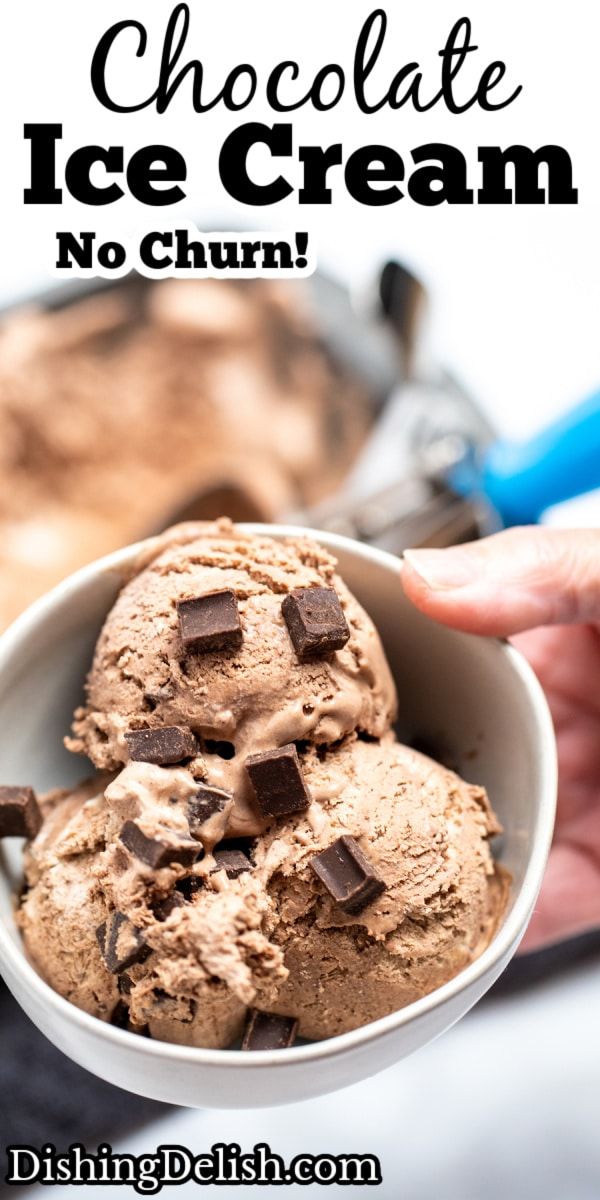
541,587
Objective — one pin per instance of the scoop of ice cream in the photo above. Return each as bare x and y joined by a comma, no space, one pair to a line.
252,699
184,948
62,904
117,938
425,833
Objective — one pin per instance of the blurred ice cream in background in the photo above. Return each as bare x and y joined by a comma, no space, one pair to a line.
141,404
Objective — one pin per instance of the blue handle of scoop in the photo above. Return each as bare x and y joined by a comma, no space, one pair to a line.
522,480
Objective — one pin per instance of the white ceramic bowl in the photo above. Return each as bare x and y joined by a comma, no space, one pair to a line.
476,695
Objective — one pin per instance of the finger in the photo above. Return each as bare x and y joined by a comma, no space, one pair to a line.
569,902
515,580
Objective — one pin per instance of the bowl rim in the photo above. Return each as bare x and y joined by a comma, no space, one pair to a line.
13,956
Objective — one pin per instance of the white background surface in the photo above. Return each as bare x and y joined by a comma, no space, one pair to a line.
505,1106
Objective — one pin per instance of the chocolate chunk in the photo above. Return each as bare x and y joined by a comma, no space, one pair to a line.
347,875
121,943
155,853
163,908
125,983
315,621
278,783
234,862
269,1031
204,804
162,747
210,622
20,815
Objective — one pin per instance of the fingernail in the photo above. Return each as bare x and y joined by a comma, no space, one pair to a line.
441,569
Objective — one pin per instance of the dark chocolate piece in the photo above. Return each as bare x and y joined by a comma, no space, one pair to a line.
315,621
162,747
20,815
269,1031
163,908
155,853
125,983
348,875
278,782
210,622
204,804
121,943
234,862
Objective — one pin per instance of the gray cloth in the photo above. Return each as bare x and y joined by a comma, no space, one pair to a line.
44,1097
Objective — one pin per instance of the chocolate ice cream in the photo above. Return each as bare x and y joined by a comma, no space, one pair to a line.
239,701
261,854
146,401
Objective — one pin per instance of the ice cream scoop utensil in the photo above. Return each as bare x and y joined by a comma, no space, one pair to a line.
520,480
432,472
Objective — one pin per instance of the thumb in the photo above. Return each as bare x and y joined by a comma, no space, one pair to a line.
509,582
